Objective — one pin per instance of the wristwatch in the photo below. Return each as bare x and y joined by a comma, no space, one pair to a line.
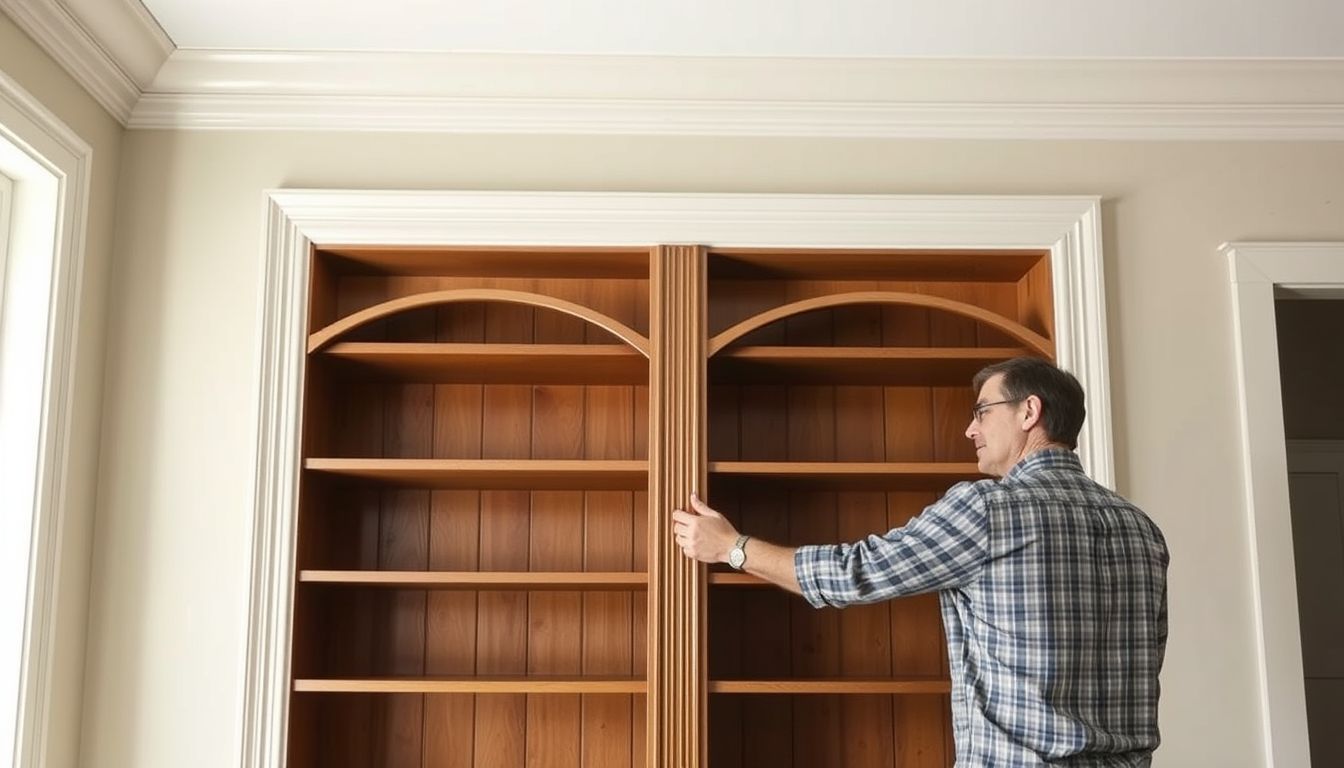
737,556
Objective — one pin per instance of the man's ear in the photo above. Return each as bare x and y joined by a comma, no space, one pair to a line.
1031,415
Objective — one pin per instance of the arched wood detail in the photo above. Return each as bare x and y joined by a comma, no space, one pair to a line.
1020,332
332,332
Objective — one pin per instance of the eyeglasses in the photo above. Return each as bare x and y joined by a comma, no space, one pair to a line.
978,410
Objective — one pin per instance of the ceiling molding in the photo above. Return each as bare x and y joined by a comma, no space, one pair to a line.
113,48
117,51
128,31
75,48
740,118
888,98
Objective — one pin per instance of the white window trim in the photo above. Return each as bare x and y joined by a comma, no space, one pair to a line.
1260,272
49,142
6,205
1068,227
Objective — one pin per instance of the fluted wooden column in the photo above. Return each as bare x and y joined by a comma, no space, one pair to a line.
677,465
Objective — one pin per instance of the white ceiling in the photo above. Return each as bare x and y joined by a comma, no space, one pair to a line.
803,28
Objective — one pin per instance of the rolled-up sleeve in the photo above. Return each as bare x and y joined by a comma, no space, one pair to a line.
944,547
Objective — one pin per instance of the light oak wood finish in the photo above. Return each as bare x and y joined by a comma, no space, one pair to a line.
479,580
506,685
1039,344
491,261
620,330
492,474
891,366
847,686
876,264
858,475
677,696
494,363
485,556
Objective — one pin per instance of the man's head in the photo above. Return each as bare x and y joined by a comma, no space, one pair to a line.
1023,405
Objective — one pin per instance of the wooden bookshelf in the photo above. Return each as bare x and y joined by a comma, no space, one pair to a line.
842,685
495,436
849,475
480,580
839,393
889,366
517,684
490,261
495,474
440,363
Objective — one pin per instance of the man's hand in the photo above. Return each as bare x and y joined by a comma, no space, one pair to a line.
703,534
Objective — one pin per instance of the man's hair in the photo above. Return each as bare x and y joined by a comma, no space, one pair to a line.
1062,408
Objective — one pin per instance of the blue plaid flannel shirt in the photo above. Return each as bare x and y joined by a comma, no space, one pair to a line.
1054,599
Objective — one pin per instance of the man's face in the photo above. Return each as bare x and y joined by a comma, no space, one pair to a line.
996,429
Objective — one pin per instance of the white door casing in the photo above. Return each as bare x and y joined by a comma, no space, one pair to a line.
1258,271
1068,228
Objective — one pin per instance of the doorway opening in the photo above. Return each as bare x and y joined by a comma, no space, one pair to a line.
1311,369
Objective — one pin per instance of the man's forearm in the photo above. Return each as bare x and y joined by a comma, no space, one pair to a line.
772,563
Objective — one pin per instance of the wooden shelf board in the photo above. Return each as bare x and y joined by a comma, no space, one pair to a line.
849,264
488,261
491,474
481,580
891,366
518,684
494,363
851,476
915,685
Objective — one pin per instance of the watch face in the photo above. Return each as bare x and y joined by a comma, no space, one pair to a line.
737,557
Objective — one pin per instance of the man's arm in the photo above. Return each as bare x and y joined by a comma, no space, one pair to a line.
705,535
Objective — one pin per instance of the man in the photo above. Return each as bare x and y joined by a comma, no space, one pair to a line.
1053,588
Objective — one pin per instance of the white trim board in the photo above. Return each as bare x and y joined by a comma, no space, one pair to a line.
1257,270
99,56
116,50
67,160
1067,227
885,98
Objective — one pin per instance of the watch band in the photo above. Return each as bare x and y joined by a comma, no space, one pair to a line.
737,557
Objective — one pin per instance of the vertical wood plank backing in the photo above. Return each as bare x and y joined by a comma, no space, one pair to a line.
358,432
676,680
607,629
1035,299
501,647
554,632
609,543
816,633
918,648
1000,299
867,732
454,545
403,543
767,721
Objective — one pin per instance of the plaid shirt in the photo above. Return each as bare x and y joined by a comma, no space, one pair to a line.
1054,598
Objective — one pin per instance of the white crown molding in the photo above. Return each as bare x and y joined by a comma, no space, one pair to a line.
1018,99
113,48
129,32
117,51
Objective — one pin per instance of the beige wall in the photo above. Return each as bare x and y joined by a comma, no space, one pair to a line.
168,627
35,72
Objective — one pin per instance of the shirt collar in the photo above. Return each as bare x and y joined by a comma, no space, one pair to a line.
1046,458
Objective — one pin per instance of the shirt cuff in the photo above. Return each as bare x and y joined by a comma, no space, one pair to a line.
805,561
